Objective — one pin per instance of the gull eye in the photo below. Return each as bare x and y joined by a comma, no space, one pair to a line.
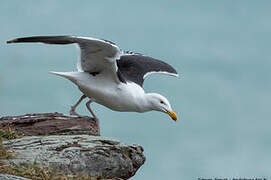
162,102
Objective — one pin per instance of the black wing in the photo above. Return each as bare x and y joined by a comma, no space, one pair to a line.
45,39
136,67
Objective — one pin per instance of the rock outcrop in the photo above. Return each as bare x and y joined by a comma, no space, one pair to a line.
50,124
72,151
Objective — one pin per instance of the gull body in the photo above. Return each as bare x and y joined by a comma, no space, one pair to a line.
116,96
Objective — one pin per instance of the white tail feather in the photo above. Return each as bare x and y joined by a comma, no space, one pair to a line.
69,75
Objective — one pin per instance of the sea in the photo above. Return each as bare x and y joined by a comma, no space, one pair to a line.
221,49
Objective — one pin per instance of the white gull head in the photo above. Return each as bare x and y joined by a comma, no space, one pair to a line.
160,103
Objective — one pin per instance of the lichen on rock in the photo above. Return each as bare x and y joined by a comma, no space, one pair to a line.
83,154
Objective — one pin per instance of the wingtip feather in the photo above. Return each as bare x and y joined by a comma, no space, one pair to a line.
12,41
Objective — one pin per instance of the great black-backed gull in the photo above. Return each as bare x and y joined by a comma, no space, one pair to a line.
110,76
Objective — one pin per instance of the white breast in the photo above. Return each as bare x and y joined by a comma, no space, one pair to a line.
116,96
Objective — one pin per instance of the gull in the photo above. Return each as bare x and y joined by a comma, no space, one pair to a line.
110,76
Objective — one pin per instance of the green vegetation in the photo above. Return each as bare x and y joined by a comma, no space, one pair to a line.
8,134
36,173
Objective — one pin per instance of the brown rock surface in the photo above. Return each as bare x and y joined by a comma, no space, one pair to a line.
50,124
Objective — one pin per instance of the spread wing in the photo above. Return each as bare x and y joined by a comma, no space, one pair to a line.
136,68
96,55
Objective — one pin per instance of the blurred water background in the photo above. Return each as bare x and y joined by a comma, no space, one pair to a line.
220,48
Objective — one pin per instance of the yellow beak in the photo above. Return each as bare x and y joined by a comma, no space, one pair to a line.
173,115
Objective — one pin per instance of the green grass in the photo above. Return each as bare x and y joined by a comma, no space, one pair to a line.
36,173
8,134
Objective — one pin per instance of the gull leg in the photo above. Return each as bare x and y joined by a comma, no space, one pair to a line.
72,111
90,110
94,116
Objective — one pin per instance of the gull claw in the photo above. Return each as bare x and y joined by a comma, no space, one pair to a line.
73,113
